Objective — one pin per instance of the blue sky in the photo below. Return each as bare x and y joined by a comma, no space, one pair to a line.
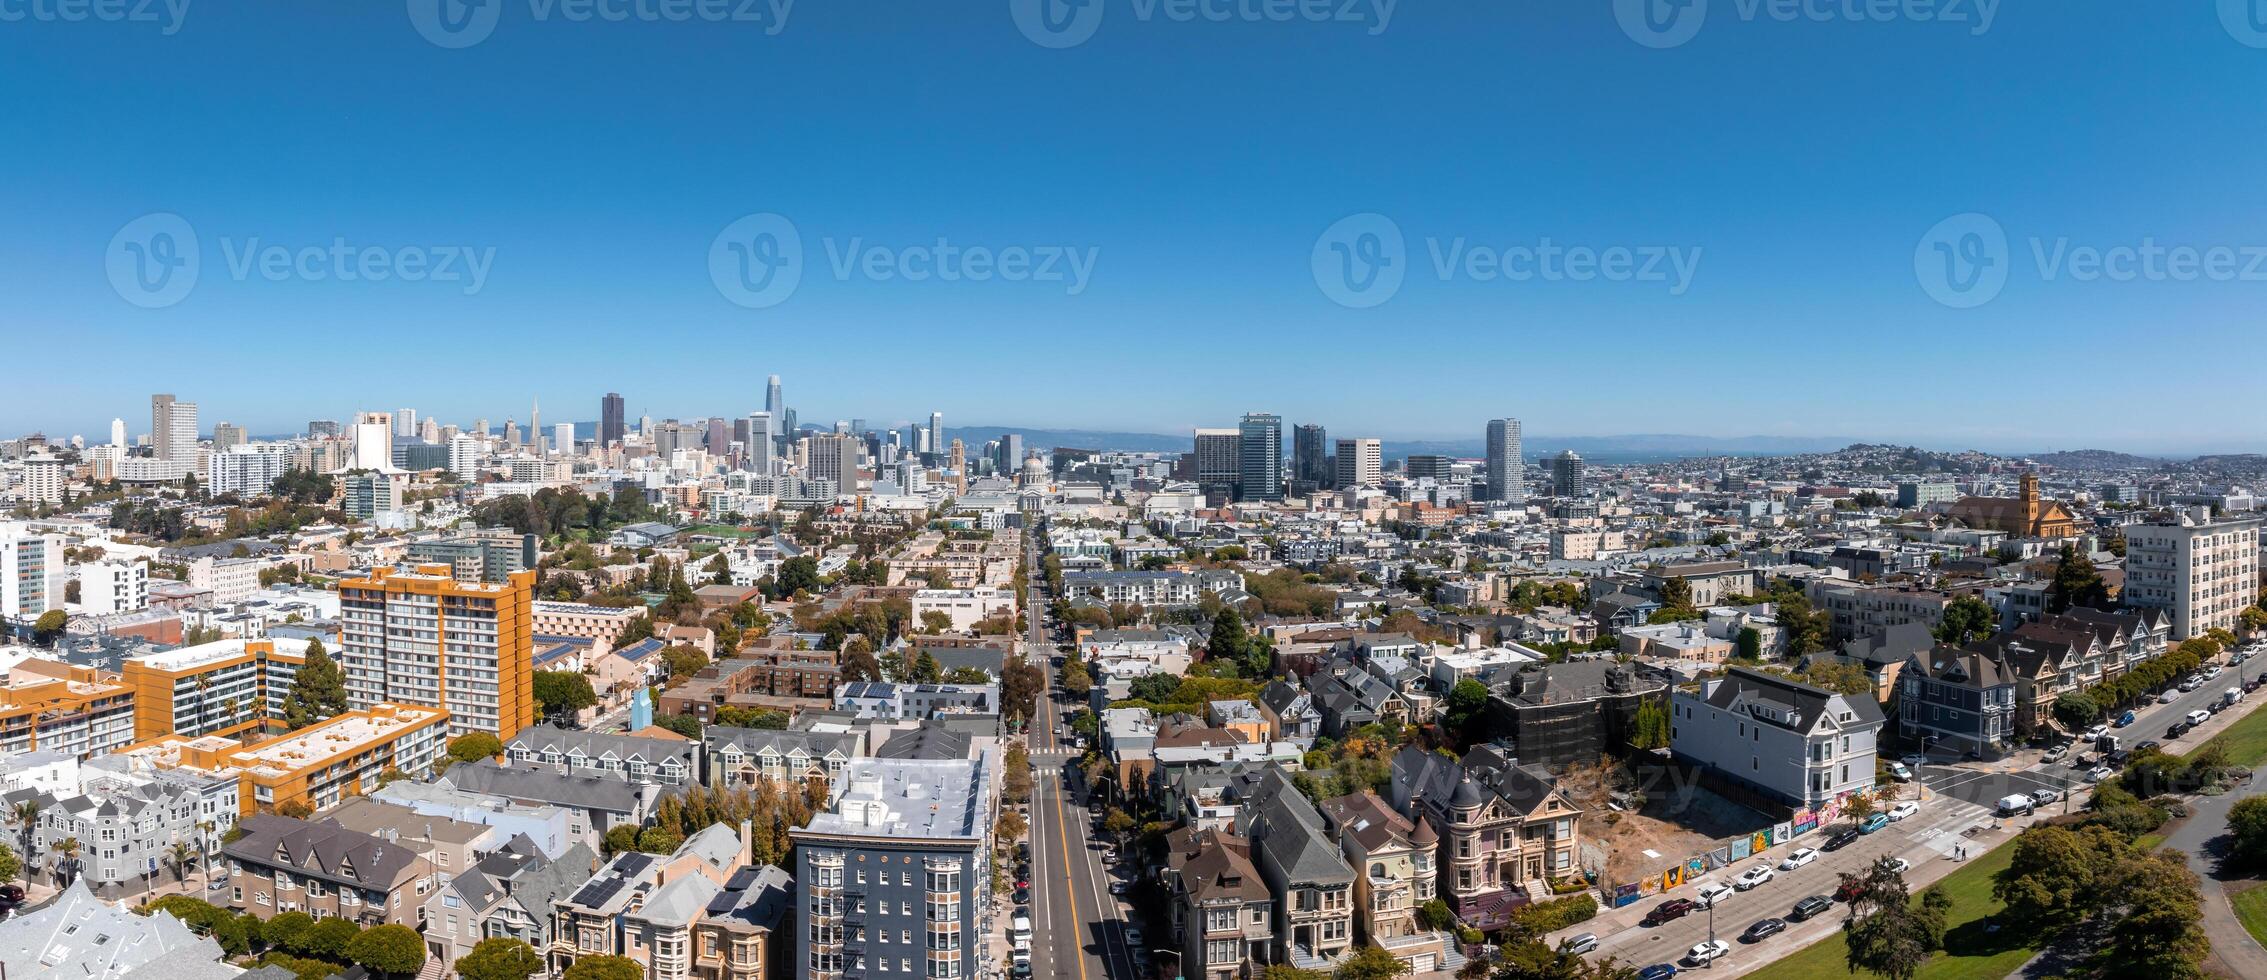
1197,163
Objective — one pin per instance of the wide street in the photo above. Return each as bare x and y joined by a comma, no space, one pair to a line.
1078,927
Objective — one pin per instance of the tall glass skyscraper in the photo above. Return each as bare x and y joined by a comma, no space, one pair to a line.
1507,474
1310,459
1259,475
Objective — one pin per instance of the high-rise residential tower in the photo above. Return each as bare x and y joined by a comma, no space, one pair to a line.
1567,477
1219,461
936,432
173,429
1260,446
1310,459
418,636
1507,472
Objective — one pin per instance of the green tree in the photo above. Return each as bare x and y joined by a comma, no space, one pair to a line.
328,938
318,690
621,838
475,746
500,959
1075,679
1966,620
1885,933
563,691
1650,729
604,968
49,627
659,840
2076,583
1229,643
926,670
11,866
1371,963
1466,709
2076,710
2054,877
391,950
1748,644
2247,823
2155,914
288,931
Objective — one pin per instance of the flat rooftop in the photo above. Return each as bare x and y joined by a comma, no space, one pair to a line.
927,799
203,654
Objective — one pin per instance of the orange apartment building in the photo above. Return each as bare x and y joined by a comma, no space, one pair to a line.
230,688
53,706
318,765
418,636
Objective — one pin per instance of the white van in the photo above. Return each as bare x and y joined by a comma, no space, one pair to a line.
1019,932
2013,804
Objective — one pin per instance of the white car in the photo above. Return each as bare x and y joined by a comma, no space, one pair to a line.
1801,856
1916,760
2211,672
1710,894
2168,697
2099,773
1903,810
2045,795
1752,877
2199,717
1899,865
1900,772
1711,950
2095,733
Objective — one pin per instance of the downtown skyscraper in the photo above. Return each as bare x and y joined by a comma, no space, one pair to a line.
1310,459
1507,472
610,421
1259,470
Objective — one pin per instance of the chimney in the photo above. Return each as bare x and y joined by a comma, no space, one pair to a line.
747,842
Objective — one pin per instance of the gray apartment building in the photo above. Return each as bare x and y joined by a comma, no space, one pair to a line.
892,879
489,554
1774,741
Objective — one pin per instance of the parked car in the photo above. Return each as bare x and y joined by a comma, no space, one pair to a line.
2125,719
1658,971
1712,894
1811,906
1904,809
2178,729
1763,929
2056,754
1752,877
2169,697
1851,888
2150,744
1874,823
1133,937
1581,944
2042,797
1842,838
1712,949
2014,803
2094,733
1916,760
2099,773
2211,671
1899,865
1800,857
2199,717
1670,911
1900,772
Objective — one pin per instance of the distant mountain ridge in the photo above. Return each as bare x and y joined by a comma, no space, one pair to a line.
1628,448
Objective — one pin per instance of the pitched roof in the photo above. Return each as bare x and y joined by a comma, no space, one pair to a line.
326,850
1289,832
544,786
80,937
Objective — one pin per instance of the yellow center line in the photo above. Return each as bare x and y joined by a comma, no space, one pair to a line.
1062,831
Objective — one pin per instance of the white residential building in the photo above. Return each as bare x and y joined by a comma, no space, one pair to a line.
114,585
1783,740
965,607
2200,570
32,573
249,470
1361,463
232,580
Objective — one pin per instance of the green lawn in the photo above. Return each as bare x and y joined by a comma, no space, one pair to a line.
1969,954
2251,907
2246,740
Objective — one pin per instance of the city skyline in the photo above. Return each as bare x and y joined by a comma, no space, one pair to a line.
1205,195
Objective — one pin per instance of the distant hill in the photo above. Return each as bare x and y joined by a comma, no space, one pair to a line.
1631,448
2095,459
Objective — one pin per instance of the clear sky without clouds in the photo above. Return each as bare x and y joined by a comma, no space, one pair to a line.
1800,165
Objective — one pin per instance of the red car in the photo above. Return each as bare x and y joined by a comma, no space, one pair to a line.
1851,888
1675,908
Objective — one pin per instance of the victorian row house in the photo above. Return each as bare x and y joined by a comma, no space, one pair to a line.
1505,829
